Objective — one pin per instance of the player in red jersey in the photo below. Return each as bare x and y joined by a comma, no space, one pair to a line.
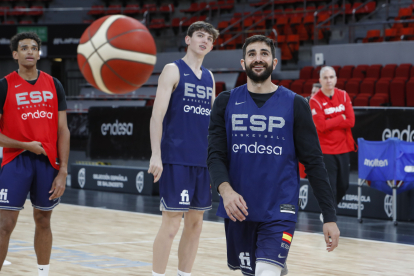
334,117
35,138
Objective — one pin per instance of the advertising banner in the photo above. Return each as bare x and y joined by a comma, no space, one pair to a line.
374,203
371,124
121,132
61,40
132,180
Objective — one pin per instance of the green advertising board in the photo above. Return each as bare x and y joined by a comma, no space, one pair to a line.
41,31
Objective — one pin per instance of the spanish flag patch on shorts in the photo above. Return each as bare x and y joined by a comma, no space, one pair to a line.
287,237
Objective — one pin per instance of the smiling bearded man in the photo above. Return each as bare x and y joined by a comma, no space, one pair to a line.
257,134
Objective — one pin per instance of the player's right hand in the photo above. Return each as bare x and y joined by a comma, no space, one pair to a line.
155,167
331,234
233,203
35,147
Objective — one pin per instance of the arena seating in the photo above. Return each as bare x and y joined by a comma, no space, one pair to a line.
23,12
367,85
398,31
97,10
289,23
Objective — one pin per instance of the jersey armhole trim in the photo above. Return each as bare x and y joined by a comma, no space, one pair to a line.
179,77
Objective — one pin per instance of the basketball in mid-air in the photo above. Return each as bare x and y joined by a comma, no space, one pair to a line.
116,54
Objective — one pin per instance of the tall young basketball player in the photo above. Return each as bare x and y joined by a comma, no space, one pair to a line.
257,133
179,128
35,138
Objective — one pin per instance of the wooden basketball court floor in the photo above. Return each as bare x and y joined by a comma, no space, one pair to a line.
101,241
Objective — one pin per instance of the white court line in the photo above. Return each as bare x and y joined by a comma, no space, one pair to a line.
206,221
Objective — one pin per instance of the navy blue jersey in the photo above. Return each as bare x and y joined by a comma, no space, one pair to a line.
185,126
262,162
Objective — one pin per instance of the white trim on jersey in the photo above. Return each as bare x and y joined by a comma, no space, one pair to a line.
313,98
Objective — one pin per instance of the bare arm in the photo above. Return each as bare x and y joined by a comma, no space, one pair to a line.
35,147
167,81
63,144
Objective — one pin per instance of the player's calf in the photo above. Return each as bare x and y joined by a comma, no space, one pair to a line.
162,245
8,221
187,250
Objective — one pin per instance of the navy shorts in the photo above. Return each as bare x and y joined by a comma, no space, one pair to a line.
185,187
249,242
27,172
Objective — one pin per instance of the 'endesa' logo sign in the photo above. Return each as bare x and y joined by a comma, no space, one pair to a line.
117,128
404,135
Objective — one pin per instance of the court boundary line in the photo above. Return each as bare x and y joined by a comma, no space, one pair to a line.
217,222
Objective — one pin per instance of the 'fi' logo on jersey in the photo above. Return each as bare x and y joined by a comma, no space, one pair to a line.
185,198
3,196
245,260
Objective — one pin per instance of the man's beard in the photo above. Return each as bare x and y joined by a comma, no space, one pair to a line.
263,76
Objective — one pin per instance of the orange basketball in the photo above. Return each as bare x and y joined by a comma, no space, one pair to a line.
116,54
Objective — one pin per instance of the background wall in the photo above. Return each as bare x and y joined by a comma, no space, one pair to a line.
367,53
213,60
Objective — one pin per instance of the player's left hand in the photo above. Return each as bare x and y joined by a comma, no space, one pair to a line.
331,231
58,186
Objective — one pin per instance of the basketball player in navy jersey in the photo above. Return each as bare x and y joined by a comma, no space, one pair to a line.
257,134
179,129
35,137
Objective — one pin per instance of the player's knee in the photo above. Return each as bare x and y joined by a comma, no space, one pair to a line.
172,231
42,221
6,226
264,269
172,225
194,225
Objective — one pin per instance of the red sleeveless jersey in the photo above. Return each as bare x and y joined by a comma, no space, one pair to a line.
30,113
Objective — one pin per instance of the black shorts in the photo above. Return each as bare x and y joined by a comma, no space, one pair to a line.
337,166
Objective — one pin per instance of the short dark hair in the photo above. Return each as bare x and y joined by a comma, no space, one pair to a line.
14,41
259,38
201,25
317,85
